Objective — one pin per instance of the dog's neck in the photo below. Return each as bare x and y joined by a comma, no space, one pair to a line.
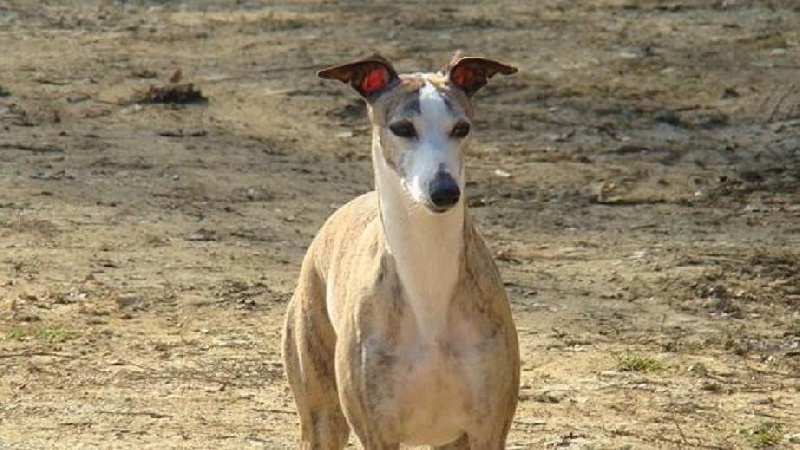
427,247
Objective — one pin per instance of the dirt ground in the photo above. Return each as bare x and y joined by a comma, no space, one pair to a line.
639,181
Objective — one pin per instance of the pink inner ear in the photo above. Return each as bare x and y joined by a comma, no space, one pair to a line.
375,80
460,76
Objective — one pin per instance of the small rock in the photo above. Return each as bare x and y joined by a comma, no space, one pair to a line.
502,173
793,438
28,297
697,369
626,54
551,396
247,303
129,300
202,235
133,109
144,73
730,93
252,193
560,137
614,374
79,98
344,134
176,76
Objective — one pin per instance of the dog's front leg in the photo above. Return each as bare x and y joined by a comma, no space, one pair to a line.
361,394
308,347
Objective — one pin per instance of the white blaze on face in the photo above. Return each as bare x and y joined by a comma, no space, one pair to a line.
434,150
424,243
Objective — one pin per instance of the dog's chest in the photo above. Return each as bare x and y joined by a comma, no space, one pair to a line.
434,390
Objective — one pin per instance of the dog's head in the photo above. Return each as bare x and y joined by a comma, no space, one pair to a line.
422,122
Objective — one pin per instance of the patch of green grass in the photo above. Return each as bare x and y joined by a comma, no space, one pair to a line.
52,334
294,24
636,362
765,435
17,334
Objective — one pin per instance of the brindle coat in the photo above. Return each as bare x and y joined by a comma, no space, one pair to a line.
352,351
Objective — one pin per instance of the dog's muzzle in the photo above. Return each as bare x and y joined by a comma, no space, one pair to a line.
444,192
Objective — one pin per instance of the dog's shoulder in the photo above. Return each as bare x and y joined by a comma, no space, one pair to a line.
354,215
481,271
345,226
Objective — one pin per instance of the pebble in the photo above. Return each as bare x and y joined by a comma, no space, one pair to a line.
129,299
203,235
614,374
344,134
551,396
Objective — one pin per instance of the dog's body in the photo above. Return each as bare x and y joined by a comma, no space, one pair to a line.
400,327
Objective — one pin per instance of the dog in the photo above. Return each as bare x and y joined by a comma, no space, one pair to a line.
400,328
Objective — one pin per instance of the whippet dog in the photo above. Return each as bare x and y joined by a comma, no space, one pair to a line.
400,327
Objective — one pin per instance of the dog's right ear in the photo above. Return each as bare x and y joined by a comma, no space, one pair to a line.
370,76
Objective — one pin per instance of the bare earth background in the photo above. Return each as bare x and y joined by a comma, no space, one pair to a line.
638,180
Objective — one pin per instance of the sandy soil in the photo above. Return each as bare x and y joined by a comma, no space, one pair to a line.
639,180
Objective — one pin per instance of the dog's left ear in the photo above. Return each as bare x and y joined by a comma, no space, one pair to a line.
470,73
369,76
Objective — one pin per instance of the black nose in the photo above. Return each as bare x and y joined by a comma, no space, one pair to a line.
444,191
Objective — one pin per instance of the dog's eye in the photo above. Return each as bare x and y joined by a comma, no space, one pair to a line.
403,129
461,130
